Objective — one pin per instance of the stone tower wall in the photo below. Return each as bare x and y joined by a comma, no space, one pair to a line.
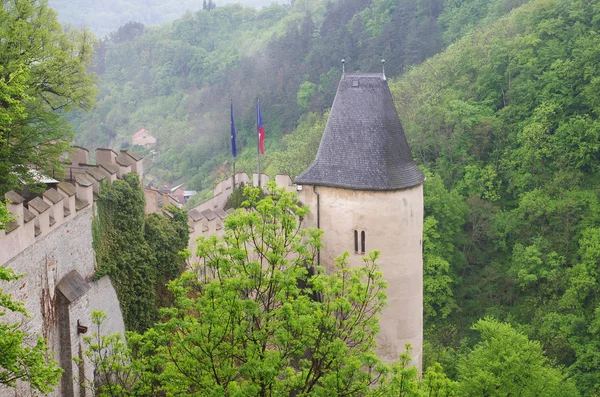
393,224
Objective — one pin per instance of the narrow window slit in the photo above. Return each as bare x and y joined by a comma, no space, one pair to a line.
362,242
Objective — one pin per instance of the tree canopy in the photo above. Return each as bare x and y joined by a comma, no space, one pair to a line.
506,363
42,74
506,122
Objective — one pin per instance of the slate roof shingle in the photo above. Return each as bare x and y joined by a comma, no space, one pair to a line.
209,214
14,197
11,226
133,155
124,160
80,204
39,205
195,215
68,188
110,167
98,173
221,213
83,180
73,286
53,195
28,216
363,146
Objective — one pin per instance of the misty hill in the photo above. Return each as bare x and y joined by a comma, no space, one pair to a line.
105,17
176,80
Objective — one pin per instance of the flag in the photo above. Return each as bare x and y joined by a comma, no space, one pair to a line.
261,129
233,134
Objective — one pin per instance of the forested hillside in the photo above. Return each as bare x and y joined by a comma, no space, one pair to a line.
506,122
176,81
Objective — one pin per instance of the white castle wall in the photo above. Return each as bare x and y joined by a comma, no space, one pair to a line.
43,265
51,238
393,224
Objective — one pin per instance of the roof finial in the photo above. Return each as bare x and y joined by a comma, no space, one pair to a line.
343,66
383,68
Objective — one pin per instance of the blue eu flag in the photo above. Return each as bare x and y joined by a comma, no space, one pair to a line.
233,134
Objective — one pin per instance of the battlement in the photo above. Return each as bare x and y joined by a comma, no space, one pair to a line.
110,165
207,218
36,216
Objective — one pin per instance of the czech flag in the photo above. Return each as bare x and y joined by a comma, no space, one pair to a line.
233,134
261,129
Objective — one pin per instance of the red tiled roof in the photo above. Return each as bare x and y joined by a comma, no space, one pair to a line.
139,133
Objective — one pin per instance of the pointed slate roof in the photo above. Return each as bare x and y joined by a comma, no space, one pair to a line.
363,146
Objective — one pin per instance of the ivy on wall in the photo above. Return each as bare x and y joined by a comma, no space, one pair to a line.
138,253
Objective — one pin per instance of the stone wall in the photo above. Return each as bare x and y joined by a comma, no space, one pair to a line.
44,265
50,244
393,224
207,218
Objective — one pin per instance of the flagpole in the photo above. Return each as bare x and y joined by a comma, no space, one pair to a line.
258,141
232,143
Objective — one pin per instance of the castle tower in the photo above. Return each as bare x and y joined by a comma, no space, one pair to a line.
366,193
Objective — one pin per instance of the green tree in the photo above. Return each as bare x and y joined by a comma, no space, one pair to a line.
116,373
20,360
42,73
5,215
506,363
305,94
258,316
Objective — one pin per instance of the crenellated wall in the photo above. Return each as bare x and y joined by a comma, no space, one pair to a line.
58,204
41,215
50,245
207,219
58,291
